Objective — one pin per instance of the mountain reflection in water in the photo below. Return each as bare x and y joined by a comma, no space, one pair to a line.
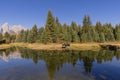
60,65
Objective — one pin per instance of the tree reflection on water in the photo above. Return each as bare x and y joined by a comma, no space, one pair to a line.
55,60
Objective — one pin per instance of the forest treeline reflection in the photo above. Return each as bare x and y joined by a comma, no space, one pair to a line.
55,60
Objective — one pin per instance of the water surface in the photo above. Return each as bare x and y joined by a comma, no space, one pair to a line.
25,64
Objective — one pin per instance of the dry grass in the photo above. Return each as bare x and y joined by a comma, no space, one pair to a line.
55,46
39,46
85,46
45,47
51,46
5,46
111,43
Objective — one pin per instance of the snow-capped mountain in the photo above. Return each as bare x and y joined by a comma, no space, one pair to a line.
11,29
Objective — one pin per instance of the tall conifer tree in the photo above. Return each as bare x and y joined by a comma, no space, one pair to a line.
49,32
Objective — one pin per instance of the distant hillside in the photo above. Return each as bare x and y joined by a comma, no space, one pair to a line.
15,29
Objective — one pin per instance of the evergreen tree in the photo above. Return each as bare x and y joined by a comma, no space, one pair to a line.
79,32
20,36
89,37
24,37
74,32
1,36
61,34
7,37
86,31
108,31
94,34
30,37
84,37
49,32
34,32
59,31
100,32
65,33
13,38
86,23
39,35
102,37
69,38
74,26
98,27
117,32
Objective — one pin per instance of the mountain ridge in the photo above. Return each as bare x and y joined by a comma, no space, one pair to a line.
14,29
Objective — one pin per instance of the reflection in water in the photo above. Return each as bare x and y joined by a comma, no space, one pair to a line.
55,60
9,54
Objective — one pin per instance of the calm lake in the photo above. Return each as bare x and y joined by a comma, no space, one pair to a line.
25,64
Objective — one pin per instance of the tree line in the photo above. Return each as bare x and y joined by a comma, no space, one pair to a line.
55,32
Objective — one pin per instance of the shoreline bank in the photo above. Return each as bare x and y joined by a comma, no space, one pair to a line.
55,46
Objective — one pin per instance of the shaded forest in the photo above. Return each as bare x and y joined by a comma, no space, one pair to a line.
55,32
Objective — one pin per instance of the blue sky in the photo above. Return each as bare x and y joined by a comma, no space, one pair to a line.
30,12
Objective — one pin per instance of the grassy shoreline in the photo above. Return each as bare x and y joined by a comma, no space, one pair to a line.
56,46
